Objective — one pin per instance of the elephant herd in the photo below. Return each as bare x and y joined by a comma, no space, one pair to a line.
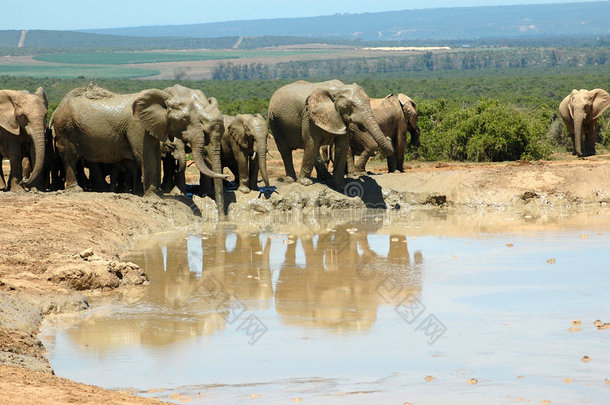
140,141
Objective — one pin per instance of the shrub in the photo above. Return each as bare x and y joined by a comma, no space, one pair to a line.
488,131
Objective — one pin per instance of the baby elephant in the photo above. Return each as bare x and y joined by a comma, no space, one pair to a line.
244,149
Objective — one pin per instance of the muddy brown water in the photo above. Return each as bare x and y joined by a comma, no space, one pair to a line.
362,309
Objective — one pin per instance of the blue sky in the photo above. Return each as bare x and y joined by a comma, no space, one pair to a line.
83,14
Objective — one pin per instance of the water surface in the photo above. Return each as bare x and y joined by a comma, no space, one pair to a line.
357,311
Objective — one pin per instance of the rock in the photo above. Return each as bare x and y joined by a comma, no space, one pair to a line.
258,205
29,362
97,274
86,253
17,312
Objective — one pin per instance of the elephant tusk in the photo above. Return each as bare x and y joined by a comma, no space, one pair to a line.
253,156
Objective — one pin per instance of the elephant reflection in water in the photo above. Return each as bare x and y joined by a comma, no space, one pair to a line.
244,270
177,304
338,287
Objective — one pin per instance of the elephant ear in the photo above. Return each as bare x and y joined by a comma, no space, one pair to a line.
40,93
323,114
408,106
564,108
213,102
8,120
601,101
150,108
237,131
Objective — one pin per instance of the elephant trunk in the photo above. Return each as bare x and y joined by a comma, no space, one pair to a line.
372,127
38,138
182,162
261,151
578,139
415,133
198,156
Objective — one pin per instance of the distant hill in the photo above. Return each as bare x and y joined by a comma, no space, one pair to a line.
70,39
544,20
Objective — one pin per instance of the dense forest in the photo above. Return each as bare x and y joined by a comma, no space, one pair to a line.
488,114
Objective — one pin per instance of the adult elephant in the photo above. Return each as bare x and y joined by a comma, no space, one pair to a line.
94,124
22,123
203,132
305,115
580,111
244,149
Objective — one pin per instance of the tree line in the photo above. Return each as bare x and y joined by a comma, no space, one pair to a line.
438,61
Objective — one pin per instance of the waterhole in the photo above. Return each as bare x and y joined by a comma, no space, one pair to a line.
435,308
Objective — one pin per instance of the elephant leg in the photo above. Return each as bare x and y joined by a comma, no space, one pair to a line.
341,150
286,154
169,170
135,176
26,167
2,182
16,171
97,177
115,178
310,155
243,174
391,160
589,131
281,142
400,148
253,174
351,167
151,164
180,180
321,168
70,159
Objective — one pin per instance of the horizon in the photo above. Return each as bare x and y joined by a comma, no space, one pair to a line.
51,17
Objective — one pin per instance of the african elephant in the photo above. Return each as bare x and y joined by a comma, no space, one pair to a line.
244,149
203,134
307,115
22,123
395,115
173,158
580,110
94,124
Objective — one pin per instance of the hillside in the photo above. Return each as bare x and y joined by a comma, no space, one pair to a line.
442,23
70,39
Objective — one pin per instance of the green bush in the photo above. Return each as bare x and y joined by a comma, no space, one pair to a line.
488,131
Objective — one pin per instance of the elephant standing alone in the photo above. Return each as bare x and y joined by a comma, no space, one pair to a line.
307,115
580,111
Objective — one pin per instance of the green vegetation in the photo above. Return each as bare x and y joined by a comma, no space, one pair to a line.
488,131
476,114
454,60
40,71
123,58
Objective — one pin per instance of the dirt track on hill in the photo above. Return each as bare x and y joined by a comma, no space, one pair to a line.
59,247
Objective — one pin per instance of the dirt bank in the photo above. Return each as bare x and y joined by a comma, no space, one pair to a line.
59,247
54,246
